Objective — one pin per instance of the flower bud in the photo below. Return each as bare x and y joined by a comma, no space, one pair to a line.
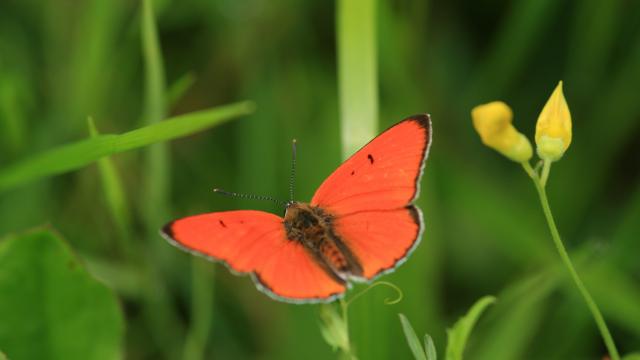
553,130
493,122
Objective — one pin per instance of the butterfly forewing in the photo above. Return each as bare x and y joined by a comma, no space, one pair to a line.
381,175
254,242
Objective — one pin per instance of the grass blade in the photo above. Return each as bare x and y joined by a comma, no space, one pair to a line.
430,348
114,195
357,73
179,88
358,101
76,155
412,339
157,164
517,317
459,334
201,308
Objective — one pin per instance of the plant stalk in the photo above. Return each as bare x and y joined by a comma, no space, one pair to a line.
555,235
347,353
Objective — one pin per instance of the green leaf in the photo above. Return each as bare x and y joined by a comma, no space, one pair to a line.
76,155
632,356
180,87
357,61
458,335
357,73
51,308
519,316
430,348
114,194
155,106
412,339
157,180
334,328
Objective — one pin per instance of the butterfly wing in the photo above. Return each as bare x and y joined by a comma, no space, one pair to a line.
254,242
380,239
370,196
384,174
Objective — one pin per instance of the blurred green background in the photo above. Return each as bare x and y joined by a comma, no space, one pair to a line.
61,61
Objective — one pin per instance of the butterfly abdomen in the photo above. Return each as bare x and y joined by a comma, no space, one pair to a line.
312,227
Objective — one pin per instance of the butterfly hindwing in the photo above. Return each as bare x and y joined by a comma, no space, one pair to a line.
380,238
370,196
254,242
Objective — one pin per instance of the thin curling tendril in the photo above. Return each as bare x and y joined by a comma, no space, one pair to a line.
387,301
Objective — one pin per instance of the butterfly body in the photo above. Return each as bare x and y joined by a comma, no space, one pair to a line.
312,227
361,223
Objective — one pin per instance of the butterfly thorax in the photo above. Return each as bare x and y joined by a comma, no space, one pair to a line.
312,226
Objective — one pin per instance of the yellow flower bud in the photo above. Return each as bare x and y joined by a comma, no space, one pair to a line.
553,130
493,122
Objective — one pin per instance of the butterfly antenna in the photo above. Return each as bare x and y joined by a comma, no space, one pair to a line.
292,178
249,196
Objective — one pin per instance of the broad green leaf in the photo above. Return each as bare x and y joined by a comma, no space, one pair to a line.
51,308
430,347
412,339
632,356
458,335
76,155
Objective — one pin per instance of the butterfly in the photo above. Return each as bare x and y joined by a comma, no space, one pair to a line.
361,223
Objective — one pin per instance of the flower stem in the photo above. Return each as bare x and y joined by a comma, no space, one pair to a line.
345,315
595,311
546,168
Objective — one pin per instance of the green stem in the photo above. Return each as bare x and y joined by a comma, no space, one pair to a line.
201,309
546,168
595,311
345,317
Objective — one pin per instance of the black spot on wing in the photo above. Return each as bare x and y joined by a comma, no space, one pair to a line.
353,172
370,157
222,223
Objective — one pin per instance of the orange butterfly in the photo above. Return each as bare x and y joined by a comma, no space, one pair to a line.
360,224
